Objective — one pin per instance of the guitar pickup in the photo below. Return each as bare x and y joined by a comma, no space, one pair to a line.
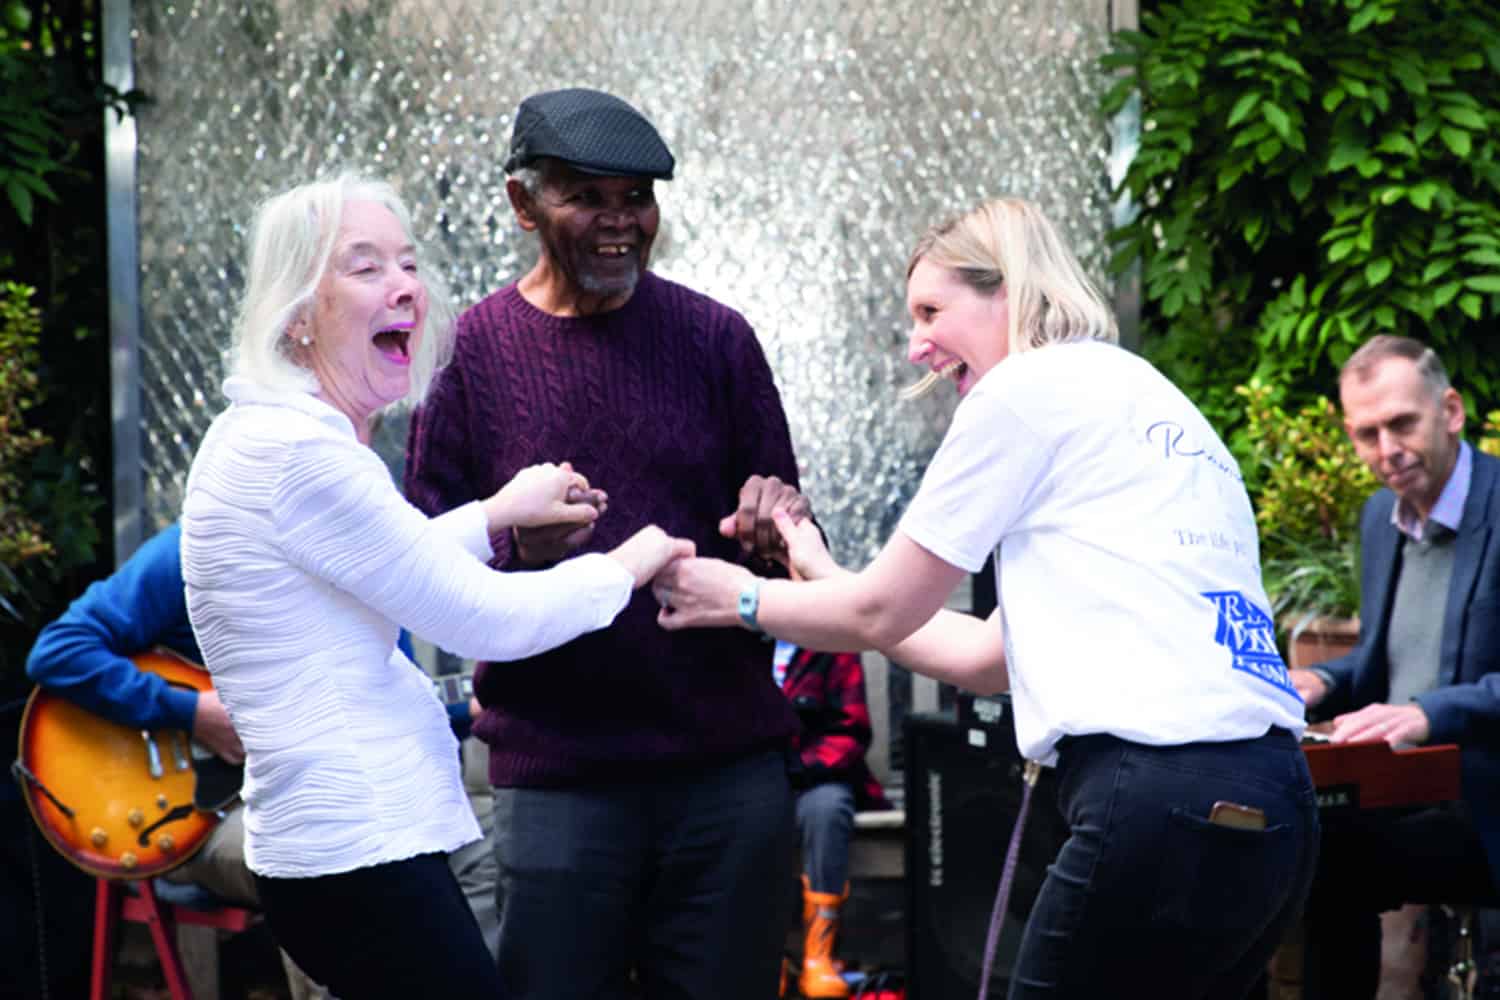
153,755
179,742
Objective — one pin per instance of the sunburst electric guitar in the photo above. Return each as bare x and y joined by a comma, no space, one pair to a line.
121,802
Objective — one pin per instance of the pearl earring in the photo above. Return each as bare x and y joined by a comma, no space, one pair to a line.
306,340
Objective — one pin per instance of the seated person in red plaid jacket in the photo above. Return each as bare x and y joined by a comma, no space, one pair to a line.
831,781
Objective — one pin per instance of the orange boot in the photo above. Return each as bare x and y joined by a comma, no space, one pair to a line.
820,925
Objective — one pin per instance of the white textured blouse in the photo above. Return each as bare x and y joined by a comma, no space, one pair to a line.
302,561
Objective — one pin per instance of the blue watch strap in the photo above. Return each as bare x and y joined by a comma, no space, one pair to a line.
749,604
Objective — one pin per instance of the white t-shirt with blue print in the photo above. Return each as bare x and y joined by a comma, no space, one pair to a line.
1126,559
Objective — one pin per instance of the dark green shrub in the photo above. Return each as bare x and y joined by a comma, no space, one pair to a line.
1311,174
20,324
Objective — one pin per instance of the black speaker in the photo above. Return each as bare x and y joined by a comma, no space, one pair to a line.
963,793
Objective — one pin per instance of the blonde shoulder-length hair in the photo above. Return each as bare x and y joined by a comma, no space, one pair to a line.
1009,243
292,239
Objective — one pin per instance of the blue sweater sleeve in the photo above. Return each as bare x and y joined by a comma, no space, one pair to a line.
84,654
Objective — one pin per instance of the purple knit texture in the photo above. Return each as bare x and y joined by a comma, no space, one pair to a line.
668,405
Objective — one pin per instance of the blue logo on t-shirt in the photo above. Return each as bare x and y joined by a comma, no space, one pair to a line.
1250,636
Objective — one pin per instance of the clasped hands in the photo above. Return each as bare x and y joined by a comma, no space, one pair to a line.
550,510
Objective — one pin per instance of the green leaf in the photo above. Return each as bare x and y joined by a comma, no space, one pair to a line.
1286,62
1363,19
1277,119
1426,128
38,186
1467,117
1422,194
1395,142
1332,98
1346,155
1484,258
1443,294
1456,139
20,199
1301,182
1369,166
1243,107
1378,270
1304,327
1483,283
1340,250
1471,305
1268,150
1410,76
1392,194
1436,270
1250,135
1230,173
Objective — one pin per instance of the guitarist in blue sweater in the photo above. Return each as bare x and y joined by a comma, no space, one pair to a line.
84,656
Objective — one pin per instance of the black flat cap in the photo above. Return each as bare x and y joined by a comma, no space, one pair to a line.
591,131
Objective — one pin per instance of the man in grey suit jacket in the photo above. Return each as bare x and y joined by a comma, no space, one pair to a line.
1427,667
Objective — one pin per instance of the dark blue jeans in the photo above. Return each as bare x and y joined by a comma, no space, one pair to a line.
1147,897
673,888
401,929
825,821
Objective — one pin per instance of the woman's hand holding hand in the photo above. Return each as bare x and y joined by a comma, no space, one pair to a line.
805,556
700,593
544,494
644,553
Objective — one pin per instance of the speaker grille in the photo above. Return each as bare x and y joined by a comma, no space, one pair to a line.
961,805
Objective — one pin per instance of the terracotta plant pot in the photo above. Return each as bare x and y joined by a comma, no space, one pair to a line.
1321,639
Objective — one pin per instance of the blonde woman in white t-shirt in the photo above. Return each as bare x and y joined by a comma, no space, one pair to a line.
1132,629
302,562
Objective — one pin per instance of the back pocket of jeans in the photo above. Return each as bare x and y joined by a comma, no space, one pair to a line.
1223,878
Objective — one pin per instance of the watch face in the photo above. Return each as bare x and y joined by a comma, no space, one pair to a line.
750,604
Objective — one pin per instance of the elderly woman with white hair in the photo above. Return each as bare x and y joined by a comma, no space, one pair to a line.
302,562
1131,630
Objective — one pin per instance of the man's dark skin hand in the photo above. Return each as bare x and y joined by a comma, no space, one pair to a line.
752,524
547,544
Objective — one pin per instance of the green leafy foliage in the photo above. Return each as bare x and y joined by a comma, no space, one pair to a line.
1310,486
1489,436
53,103
1309,175
20,325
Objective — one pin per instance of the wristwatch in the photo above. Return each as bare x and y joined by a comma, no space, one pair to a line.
749,604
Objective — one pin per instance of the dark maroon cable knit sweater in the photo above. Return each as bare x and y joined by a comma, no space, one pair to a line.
668,405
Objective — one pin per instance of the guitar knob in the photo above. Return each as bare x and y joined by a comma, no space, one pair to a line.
166,843
161,802
98,837
128,861
135,817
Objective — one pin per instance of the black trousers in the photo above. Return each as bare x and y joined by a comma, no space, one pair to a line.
671,887
400,930
1376,860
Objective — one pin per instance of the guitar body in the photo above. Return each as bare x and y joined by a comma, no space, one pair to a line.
133,811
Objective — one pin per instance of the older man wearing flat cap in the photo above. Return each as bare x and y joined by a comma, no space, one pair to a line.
643,823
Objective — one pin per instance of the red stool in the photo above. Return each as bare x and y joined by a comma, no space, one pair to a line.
137,901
